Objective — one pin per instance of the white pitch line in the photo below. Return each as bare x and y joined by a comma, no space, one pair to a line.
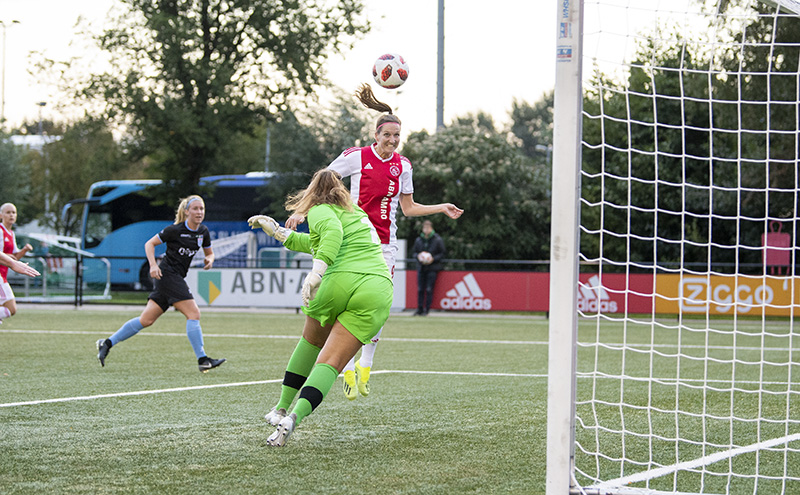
130,394
293,337
239,384
702,461
151,334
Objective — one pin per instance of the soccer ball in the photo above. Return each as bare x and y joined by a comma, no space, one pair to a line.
425,258
390,71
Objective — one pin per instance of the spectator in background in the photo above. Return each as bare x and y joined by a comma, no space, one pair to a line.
8,217
429,252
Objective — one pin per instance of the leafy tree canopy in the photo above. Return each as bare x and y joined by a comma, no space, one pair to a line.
303,141
677,124
14,177
504,194
85,153
188,78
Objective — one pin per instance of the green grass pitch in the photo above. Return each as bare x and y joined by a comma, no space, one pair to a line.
458,405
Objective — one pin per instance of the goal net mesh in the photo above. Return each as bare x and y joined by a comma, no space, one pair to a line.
688,355
234,251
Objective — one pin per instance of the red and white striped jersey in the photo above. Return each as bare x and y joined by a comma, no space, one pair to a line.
9,247
376,185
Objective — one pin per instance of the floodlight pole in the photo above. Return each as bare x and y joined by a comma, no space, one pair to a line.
41,105
440,71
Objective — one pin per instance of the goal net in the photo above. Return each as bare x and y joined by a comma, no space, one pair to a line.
684,348
235,251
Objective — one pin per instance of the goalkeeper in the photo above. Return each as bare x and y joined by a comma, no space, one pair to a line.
346,296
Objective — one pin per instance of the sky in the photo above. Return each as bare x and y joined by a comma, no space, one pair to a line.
494,52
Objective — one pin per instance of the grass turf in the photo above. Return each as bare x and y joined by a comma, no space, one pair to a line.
442,417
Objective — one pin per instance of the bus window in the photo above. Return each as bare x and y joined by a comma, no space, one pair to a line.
137,207
233,204
98,226
101,220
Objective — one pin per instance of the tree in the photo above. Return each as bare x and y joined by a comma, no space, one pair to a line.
302,142
715,134
187,78
14,177
505,196
532,126
65,169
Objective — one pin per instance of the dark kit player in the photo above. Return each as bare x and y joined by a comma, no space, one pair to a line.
184,239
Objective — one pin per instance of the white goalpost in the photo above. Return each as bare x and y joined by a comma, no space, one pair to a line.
674,357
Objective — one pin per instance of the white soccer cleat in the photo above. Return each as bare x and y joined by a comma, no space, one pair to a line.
282,432
275,416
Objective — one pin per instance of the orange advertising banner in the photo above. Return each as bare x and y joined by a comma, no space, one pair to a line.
727,295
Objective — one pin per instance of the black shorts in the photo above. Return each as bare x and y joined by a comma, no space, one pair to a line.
170,289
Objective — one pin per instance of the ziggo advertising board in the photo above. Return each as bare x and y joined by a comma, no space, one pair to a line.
522,291
727,295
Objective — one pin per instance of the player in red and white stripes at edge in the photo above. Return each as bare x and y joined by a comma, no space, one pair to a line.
8,215
380,180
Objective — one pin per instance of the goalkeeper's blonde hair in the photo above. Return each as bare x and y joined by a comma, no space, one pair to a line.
326,187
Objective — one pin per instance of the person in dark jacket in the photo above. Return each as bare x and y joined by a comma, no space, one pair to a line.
429,252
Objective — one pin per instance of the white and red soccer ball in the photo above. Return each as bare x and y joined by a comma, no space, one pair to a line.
390,70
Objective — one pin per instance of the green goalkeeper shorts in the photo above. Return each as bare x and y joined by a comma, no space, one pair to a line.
360,302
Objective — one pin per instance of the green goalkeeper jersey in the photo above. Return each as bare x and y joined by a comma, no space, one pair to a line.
345,240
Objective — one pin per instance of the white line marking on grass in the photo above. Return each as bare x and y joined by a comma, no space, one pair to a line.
140,392
153,334
465,341
702,461
589,345
462,373
293,337
239,384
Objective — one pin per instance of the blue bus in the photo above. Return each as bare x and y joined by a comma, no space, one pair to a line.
119,217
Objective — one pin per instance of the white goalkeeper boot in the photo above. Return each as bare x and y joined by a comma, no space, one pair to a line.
275,416
282,432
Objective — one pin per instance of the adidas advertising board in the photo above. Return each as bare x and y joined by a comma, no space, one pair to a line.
466,294
484,291
593,297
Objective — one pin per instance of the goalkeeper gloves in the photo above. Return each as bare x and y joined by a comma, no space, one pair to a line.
270,226
313,281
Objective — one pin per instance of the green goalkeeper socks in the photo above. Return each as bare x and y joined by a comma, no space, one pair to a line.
298,369
317,386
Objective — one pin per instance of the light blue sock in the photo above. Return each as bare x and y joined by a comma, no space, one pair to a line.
126,331
195,335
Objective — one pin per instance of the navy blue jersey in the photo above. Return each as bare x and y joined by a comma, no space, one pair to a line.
182,244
